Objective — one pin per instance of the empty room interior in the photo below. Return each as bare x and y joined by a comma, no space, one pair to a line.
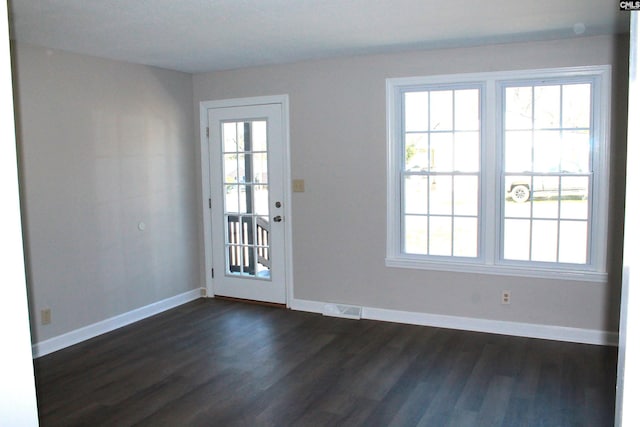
332,212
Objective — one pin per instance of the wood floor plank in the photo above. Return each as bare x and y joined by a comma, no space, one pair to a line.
212,362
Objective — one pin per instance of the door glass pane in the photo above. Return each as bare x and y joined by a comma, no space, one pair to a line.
231,168
259,133
260,171
230,137
261,199
231,198
242,163
246,198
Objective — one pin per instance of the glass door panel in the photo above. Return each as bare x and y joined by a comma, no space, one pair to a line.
246,201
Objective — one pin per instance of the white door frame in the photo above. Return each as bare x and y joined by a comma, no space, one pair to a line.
283,100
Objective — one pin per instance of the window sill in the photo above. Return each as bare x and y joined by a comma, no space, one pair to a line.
499,270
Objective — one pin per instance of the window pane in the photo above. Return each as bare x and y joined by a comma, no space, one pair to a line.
231,168
575,152
518,146
247,167
465,237
231,198
440,197
518,108
465,192
416,194
573,242
229,137
259,133
547,107
575,197
546,157
241,171
466,152
442,152
416,111
441,110
467,114
260,171
440,236
545,191
516,239
576,106
415,234
544,240
245,193
248,230
517,195
261,199
416,152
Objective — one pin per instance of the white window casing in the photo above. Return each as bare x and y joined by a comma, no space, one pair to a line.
490,259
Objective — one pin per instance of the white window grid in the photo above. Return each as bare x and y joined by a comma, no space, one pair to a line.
489,259
432,175
533,175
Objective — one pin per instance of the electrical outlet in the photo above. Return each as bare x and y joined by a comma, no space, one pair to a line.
45,316
506,297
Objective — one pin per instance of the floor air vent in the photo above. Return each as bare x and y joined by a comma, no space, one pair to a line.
339,310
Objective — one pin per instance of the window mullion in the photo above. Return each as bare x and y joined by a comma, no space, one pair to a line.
490,168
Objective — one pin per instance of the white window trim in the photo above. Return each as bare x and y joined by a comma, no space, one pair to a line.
488,261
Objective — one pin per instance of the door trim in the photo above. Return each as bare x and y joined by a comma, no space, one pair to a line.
205,106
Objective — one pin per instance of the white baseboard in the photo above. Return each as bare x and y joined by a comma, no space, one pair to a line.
529,330
74,337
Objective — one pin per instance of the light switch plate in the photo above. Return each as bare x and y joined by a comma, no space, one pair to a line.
298,185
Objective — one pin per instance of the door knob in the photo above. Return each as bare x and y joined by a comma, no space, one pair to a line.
277,218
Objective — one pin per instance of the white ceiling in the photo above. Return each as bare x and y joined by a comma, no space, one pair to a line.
207,35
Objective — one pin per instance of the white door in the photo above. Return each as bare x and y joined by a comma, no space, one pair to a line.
247,202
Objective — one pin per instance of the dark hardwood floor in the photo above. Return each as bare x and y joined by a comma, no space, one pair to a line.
223,363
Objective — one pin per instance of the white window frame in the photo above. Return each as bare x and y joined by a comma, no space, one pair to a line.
490,220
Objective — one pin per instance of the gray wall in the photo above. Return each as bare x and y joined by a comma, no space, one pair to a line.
104,145
338,143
